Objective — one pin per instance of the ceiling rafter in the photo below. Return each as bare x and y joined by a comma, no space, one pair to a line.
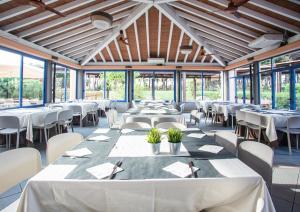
262,17
74,53
78,14
110,54
171,14
81,46
102,57
44,15
179,44
170,40
203,59
196,54
187,55
159,33
128,47
147,33
21,10
135,14
137,40
241,20
118,49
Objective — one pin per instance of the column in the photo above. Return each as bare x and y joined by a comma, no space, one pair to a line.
49,82
255,84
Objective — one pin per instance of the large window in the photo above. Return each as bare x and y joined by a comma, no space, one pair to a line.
191,86
158,85
33,81
282,88
212,86
239,90
15,75
265,83
297,86
105,85
65,84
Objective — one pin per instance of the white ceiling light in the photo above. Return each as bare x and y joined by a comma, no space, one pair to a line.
186,49
101,20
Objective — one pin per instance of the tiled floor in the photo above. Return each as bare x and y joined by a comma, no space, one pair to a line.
286,173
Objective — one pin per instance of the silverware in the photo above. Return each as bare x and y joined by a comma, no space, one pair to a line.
70,156
118,164
192,170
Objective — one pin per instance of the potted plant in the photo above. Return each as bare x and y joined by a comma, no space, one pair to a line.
174,139
154,138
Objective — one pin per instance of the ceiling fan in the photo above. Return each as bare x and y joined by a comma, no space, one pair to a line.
122,38
38,4
232,7
203,52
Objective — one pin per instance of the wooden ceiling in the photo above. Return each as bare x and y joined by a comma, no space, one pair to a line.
155,30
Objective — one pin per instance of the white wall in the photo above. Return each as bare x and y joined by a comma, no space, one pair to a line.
231,74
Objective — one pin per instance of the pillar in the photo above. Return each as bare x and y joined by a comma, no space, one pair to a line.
255,83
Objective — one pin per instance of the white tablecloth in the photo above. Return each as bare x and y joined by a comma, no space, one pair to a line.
102,104
86,106
241,189
29,117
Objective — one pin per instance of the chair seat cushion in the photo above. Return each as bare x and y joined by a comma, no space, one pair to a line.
8,131
12,207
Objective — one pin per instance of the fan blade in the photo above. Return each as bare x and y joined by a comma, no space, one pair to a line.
54,11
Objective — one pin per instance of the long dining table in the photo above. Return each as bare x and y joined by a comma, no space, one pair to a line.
222,183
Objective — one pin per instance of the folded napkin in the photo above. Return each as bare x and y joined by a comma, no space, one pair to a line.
124,131
78,152
211,148
196,135
102,171
180,169
98,138
191,129
102,131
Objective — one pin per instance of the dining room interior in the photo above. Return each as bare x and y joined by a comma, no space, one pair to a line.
150,105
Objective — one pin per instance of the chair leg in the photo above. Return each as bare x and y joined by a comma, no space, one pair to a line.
72,126
259,134
289,143
232,121
45,133
41,136
80,120
94,120
6,141
9,141
18,140
297,141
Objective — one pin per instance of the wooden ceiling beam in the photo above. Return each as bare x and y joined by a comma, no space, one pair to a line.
81,46
216,27
118,49
127,47
80,55
171,14
262,17
203,59
135,14
102,57
159,33
44,15
16,11
196,54
179,44
74,53
225,51
78,14
276,9
147,33
4,1
110,54
187,55
241,20
170,40
137,41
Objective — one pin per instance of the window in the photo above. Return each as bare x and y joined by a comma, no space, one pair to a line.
33,81
239,90
191,86
265,83
10,65
115,85
282,90
158,85
212,86
94,86
297,86
59,79
65,84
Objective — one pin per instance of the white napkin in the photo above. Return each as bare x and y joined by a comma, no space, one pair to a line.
78,152
102,131
103,170
180,169
124,131
98,138
211,148
196,135
191,129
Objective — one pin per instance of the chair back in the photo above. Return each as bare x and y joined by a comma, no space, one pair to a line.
240,115
168,125
77,109
253,118
112,116
65,115
136,125
259,157
50,118
182,107
9,122
293,122
198,106
18,165
157,120
59,144
138,119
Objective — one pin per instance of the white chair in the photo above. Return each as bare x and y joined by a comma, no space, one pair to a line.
112,119
253,122
10,125
216,113
157,120
50,121
228,140
16,166
240,121
77,112
65,118
259,157
136,125
182,107
168,125
59,144
94,113
198,106
232,113
138,119
293,127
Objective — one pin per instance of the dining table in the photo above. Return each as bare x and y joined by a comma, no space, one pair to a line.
144,181
85,106
271,119
29,117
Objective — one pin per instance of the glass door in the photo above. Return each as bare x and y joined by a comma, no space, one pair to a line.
282,89
239,90
247,90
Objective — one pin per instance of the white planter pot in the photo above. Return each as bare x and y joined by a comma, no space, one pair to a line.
174,148
155,148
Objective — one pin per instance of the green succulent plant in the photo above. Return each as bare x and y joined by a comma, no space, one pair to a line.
174,135
154,136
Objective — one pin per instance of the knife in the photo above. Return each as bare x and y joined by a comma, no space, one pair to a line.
192,170
69,156
118,164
